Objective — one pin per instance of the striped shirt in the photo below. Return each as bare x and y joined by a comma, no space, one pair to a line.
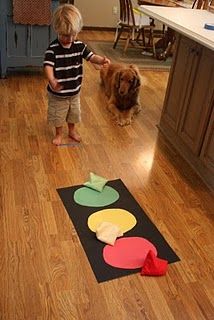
67,64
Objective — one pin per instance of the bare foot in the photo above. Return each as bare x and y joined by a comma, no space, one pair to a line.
75,136
57,140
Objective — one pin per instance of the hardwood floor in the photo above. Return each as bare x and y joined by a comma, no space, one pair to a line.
44,271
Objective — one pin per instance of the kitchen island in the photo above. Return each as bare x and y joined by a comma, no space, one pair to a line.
187,118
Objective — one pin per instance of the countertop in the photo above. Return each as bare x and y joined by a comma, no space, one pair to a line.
189,22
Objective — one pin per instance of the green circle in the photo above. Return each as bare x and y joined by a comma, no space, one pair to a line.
92,198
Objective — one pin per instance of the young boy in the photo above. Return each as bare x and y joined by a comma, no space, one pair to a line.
63,65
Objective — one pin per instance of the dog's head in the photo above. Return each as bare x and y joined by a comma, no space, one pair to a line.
127,80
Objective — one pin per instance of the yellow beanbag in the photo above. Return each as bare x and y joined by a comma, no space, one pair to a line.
108,232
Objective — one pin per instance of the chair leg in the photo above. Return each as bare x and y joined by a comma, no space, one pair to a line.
127,42
153,49
140,34
118,37
150,38
116,34
143,37
152,43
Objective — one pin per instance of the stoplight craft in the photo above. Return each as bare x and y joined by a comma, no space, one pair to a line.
88,213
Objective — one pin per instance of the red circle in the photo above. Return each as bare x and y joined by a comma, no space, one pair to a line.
128,253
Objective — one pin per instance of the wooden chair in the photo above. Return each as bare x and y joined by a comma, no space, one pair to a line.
211,6
200,4
136,26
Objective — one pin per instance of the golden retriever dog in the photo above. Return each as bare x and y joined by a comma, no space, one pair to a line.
122,86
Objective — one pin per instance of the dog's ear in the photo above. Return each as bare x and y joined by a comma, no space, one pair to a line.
117,79
136,81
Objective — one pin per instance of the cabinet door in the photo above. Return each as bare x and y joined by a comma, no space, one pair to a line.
198,102
27,43
21,45
180,79
17,36
207,153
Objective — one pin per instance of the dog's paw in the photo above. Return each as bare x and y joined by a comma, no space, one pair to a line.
111,109
139,109
124,122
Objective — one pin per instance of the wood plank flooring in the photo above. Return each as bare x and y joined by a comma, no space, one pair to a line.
44,272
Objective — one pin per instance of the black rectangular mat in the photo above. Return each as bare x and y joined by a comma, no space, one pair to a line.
94,248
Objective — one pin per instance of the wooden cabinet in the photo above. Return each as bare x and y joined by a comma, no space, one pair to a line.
197,106
187,117
182,70
207,153
21,45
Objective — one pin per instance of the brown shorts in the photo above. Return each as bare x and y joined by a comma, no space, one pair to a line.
61,110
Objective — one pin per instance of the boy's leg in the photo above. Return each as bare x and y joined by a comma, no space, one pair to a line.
58,137
57,112
74,117
72,133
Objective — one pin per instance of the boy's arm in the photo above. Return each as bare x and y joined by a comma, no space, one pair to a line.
95,58
49,72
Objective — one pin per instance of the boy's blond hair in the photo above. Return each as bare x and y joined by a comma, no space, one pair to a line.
67,20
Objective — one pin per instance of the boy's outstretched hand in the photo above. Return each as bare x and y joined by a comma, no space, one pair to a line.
106,61
99,61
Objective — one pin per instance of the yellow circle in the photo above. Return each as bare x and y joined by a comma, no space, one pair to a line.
120,217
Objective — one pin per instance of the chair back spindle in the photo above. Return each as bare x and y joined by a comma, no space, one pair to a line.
200,4
126,12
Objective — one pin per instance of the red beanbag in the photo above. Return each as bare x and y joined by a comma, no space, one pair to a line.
154,266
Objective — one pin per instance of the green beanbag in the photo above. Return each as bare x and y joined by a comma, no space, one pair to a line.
96,182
